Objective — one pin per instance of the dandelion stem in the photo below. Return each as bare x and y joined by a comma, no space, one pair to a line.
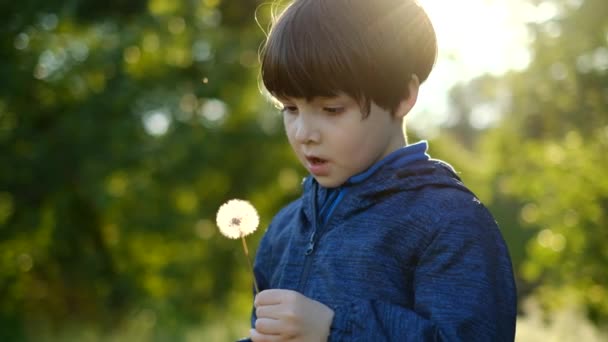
246,250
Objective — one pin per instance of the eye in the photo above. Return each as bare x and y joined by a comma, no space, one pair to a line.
334,110
287,109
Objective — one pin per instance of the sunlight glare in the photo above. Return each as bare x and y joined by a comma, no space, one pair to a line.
157,122
474,37
480,35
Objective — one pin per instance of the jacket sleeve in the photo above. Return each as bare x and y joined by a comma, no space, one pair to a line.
463,291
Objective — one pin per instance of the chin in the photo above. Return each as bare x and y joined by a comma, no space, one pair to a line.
329,183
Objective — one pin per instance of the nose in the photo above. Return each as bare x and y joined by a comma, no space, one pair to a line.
306,130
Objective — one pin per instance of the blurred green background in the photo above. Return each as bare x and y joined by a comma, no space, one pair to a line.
125,124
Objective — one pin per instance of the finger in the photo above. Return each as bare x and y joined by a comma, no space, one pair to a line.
268,311
268,326
256,336
270,297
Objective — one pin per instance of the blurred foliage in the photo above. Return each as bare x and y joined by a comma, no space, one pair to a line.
124,125
540,157
566,324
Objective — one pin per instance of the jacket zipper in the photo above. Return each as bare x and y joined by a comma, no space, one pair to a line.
308,259
312,241
311,244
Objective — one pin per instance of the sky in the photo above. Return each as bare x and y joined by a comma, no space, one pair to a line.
474,37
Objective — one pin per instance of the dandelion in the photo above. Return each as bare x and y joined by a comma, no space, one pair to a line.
237,219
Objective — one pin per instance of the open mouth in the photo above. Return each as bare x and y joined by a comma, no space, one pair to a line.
315,160
317,166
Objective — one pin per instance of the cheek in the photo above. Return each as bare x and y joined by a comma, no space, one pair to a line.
353,139
350,149
290,132
288,127
360,146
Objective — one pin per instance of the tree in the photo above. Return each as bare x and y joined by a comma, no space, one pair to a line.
546,158
124,125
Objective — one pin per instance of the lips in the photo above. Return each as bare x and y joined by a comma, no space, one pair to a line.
317,166
315,160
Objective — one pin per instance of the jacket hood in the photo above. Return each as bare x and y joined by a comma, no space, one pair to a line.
390,177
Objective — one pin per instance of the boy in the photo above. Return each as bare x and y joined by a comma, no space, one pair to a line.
384,244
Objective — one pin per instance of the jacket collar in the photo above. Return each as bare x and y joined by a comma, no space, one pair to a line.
405,169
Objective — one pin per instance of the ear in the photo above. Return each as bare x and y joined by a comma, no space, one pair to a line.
408,103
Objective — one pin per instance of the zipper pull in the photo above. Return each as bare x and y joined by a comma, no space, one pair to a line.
311,244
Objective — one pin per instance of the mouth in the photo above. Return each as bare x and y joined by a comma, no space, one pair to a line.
316,161
317,166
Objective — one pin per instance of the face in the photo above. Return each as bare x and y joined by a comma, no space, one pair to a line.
334,141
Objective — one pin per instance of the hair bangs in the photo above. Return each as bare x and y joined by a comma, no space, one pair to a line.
368,50
302,60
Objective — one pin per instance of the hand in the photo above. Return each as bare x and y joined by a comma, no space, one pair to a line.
285,315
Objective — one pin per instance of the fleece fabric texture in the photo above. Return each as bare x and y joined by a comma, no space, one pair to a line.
401,252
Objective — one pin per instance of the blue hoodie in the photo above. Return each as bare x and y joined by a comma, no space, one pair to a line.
401,252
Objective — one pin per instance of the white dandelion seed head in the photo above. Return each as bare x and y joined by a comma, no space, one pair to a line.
237,218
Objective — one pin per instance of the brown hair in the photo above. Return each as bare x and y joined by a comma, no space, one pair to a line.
368,49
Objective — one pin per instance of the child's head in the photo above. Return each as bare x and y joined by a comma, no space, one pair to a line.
330,62
366,49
